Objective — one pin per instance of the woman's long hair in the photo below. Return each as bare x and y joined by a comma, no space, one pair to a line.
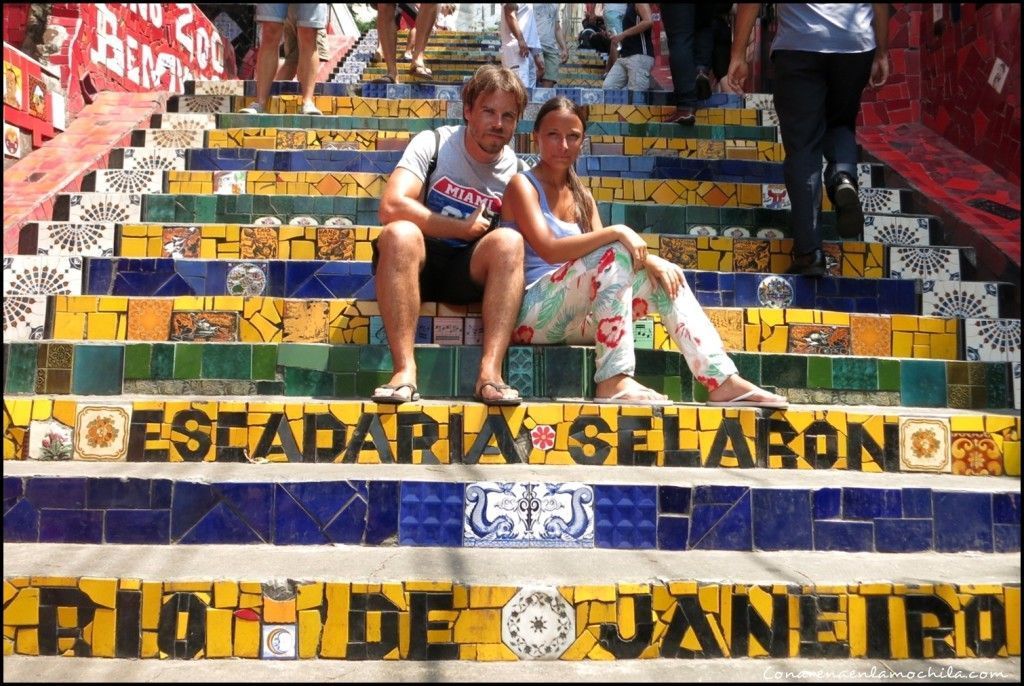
584,208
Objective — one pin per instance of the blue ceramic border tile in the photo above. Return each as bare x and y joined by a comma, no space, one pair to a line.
870,503
430,513
674,500
63,492
963,521
382,518
125,494
151,527
782,519
721,518
903,535
843,536
625,516
70,526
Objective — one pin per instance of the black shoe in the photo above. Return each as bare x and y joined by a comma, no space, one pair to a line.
849,214
703,84
809,264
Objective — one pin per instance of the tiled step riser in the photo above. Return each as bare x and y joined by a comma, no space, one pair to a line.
570,434
489,514
228,618
295,370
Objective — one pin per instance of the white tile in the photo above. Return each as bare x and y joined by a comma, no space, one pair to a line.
24,318
153,158
538,623
279,642
894,230
960,299
880,200
528,515
172,138
75,239
129,181
49,440
937,264
992,340
101,432
448,330
474,331
105,207
925,445
42,275
204,103
229,182
220,87
188,121
774,196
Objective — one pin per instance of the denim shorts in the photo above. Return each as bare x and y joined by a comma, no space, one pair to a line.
310,15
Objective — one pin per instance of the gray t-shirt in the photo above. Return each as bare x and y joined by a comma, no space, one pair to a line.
459,184
825,27
546,15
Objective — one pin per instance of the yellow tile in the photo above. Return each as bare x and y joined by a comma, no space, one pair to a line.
103,592
478,626
247,639
278,611
68,326
24,609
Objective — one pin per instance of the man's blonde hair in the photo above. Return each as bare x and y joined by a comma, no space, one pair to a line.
491,78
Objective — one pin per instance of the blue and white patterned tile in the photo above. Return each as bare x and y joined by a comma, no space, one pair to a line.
279,641
24,318
937,264
104,207
542,95
42,275
774,196
537,623
992,340
187,121
75,239
864,175
925,445
473,331
960,299
880,200
529,515
153,158
453,109
896,230
759,101
172,138
129,181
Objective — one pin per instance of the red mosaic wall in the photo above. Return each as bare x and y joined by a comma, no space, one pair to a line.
15,19
958,56
899,100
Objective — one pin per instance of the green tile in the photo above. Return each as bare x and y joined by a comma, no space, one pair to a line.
227,361
819,372
435,371
270,388
161,365
957,372
264,361
21,368
998,385
658,363
855,373
343,358
565,372
783,371
888,375
158,208
303,355
137,360
467,369
375,358
748,365
188,360
366,382
98,370
345,385
977,373
308,383
923,383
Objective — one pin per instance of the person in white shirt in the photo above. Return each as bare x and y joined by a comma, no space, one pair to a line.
520,42
552,43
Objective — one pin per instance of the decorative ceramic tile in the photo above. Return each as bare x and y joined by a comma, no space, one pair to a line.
204,326
173,138
448,330
759,101
701,230
258,242
181,242
303,220
129,181
538,623
753,255
105,207
204,103
819,339
246,278
335,244
267,221
187,121
864,175
229,182
736,232
24,318
473,331
775,291
976,454
774,196
49,440
338,221
992,340
960,299
82,240
279,641
219,87
880,200
42,275
153,158
924,444
643,334
895,230
924,263
305,321
771,233
542,437
529,515
521,369
101,432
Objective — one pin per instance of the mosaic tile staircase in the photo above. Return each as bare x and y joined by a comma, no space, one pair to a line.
153,323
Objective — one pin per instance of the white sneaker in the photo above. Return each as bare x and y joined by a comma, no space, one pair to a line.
254,108
310,108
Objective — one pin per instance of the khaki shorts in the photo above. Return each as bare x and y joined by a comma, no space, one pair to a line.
291,43
552,62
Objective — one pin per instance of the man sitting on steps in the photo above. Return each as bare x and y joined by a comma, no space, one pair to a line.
440,240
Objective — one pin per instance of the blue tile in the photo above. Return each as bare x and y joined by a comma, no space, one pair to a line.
189,502
99,276
625,517
222,525
152,527
1006,538
13,491
923,383
917,503
963,521
67,493
828,503
350,524
252,502
21,523
726,495
70,526
672,533
674,499
322,499
782,519
868,503
722,526
903,535
108,494
161,493
431,513
1006,508
382,519
293,525
845,536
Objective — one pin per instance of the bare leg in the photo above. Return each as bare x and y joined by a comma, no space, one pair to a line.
410,41
424,27
308,62
387,36
266,60
402,255
498,264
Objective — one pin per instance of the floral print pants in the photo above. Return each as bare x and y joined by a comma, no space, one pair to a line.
595,299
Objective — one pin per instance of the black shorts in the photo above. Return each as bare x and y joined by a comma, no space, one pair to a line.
445,277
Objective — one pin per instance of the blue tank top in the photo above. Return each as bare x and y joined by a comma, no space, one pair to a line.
535,267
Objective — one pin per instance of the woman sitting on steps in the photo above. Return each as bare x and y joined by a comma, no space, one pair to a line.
586,282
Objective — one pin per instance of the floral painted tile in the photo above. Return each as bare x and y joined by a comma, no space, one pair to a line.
24,318
896,230
101,432
529,515
42,275
976,453
925,445
49,440
219,327
181,242
149,319
538,623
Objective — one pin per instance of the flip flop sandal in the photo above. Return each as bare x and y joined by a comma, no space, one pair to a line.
497,402
385,79
742,400
621,399
420,71
395,397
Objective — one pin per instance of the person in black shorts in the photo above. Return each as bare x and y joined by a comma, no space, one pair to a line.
441,241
